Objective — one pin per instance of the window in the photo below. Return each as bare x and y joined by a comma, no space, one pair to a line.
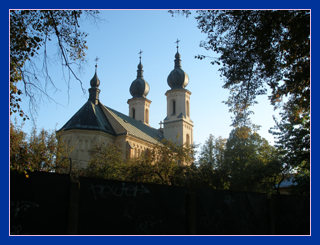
133,113
188,109
188,140
146,116
173,107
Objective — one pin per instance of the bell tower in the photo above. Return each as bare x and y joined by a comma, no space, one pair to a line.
139,105
178,125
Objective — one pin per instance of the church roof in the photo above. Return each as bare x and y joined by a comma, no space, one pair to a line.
136,128
93,115
89,117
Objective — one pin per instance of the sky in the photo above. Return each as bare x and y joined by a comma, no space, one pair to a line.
117,41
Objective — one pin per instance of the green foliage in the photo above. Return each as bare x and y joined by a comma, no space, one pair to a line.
251,163
246,162
163,164
18,148
211,178
30,32
42,151
302,183
260,50
212,152
106,161
166,163
293,141
243,162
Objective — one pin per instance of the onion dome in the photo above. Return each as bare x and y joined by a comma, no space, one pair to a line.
94,91
177,78
95,82
139,88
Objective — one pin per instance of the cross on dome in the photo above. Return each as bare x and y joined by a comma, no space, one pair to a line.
177,42
96,60
140,54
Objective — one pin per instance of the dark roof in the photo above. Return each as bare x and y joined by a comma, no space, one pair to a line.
136,128
92,117
177,78
89,117
139,88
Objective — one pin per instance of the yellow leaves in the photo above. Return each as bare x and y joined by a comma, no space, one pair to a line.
26,174
243,132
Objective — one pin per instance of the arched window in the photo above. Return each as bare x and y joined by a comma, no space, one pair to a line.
188,109
133,113
173,107
146,116
188,140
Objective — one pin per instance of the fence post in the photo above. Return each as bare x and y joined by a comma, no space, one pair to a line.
191,213
73,208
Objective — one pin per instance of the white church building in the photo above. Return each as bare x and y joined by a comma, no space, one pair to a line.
95,122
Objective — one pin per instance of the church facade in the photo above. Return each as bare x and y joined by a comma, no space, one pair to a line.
95,122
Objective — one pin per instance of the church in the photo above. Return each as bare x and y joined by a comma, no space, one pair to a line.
95,122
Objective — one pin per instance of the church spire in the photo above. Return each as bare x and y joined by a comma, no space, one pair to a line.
177,79
178,126
139,87
177,42
177,61
94,91
139,105
140,66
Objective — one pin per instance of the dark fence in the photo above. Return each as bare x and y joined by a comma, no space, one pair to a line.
39,204
292,215
231,213
124,208
48,204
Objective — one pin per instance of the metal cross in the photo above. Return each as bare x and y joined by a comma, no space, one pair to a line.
177,42
140,54
96,60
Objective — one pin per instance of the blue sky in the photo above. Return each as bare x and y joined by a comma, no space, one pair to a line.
117,41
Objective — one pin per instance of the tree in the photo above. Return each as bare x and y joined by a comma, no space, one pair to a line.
30,33
42,151
251,163
18,148
260,50
165,163
293,141
106,161
212,152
